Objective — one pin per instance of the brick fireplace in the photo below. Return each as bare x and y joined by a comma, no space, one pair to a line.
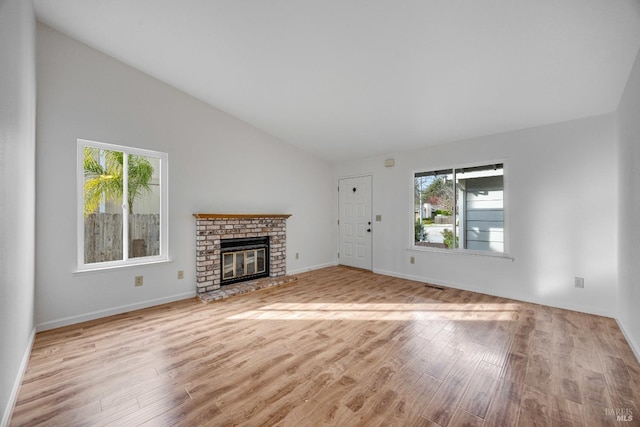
213,229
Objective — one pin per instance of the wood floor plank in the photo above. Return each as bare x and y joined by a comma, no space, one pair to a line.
566,377
535,409
478,395
411,400
539,372
598,416
505,405
566,413
445,401
515,368
338,347
595,389
461,418
621,386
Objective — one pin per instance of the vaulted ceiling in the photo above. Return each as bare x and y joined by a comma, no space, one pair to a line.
351,78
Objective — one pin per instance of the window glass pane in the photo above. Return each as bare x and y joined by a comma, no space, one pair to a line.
239,264
143,201
120,215
251,260
227,266
261,261
102,205
434,209
461,208
481,208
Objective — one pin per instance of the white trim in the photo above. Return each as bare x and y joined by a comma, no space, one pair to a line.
13,397
465,252
629,338
98,314
125,209
313,267
100,267
355,175
163,174
479,290
505,201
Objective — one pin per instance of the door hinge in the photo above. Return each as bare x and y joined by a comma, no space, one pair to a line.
338,255
338,222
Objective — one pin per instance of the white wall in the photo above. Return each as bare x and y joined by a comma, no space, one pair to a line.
217,164
561,201
629,249
17,194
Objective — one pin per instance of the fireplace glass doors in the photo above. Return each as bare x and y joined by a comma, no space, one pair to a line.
244,259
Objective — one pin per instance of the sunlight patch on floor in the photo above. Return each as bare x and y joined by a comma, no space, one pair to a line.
383,311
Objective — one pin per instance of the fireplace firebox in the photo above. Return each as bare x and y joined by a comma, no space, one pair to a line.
244,259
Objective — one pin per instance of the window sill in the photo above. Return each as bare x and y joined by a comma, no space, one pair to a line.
104,268
462,252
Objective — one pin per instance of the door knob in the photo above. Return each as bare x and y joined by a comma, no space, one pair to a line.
369,230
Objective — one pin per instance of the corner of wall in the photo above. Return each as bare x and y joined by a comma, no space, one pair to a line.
634,346
627,134
13,397
17,196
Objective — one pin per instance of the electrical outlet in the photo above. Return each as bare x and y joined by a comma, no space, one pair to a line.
412,260
138,281
578,282
180,274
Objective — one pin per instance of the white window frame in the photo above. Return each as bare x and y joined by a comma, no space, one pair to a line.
506,232
164,210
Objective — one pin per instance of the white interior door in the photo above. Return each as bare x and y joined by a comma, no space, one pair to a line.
354,222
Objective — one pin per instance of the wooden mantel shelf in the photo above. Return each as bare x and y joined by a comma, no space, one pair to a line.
212,215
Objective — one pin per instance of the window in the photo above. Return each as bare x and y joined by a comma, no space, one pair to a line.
460,208
122,206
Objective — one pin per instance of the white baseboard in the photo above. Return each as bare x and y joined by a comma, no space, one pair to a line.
13,397
314,267
630,340
533,300
66,321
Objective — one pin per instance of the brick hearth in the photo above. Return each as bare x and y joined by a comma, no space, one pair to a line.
212,228
245,287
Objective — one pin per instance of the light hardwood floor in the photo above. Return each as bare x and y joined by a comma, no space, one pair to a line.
338,347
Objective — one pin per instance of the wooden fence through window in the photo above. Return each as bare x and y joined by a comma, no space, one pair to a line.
103,236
